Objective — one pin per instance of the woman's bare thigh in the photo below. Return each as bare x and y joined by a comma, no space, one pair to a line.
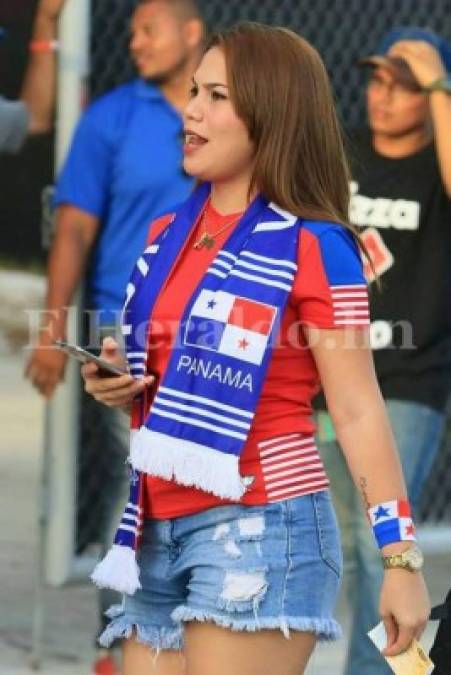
138,659
210,649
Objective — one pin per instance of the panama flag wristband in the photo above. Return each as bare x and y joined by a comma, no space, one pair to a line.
392,522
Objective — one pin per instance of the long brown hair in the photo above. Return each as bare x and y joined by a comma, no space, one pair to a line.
280,89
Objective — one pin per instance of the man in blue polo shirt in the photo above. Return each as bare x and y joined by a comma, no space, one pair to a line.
124,168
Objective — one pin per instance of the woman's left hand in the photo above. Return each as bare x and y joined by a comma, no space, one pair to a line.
404,608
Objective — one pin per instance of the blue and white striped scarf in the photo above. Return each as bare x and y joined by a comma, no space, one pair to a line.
204,406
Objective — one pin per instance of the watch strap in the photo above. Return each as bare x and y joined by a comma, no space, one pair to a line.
412,559
393,561
442,83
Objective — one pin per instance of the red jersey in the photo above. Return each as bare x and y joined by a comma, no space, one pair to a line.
329,291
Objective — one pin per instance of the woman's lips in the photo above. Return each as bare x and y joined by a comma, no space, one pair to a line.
193,142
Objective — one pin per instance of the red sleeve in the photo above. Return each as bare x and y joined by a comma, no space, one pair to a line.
330,290
157,226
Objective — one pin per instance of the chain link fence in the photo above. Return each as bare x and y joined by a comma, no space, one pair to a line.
342,31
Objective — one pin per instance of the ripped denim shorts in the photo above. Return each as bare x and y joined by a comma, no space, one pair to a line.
247,568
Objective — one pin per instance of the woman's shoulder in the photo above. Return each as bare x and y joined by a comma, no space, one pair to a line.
324,231
331,244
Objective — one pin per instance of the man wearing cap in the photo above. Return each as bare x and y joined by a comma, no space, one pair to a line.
32,114
401,187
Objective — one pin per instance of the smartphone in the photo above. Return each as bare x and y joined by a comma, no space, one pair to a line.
105,369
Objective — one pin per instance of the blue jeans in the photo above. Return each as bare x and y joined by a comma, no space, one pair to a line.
418,430
274,566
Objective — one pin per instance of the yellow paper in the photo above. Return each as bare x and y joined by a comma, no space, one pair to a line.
414,661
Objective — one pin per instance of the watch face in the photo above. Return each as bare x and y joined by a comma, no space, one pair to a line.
414,558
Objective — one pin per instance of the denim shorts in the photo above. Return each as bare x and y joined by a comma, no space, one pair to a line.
247,568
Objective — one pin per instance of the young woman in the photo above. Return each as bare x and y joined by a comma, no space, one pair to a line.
244,300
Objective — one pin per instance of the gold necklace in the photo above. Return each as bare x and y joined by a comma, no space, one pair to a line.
207,239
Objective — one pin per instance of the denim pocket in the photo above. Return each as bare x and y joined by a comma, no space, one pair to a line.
327,530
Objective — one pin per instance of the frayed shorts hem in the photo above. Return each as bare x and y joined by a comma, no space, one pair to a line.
156,637
162,638
324,629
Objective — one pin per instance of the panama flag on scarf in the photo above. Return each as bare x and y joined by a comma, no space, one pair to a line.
392,521
231,325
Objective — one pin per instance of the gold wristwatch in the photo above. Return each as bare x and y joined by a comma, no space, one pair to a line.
411,560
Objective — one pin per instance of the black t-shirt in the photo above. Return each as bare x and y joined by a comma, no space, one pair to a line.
404,216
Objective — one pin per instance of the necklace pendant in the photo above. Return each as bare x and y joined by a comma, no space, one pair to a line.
206,241
209,242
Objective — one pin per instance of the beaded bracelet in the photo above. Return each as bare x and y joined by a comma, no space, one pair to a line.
392,522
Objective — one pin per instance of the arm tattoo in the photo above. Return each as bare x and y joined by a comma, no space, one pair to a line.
363,487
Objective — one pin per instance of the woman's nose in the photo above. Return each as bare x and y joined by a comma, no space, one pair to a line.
193,110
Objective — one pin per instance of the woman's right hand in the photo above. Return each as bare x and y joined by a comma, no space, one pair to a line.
404,608
117,391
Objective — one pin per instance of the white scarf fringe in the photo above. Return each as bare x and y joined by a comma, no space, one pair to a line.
118,570
188,463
